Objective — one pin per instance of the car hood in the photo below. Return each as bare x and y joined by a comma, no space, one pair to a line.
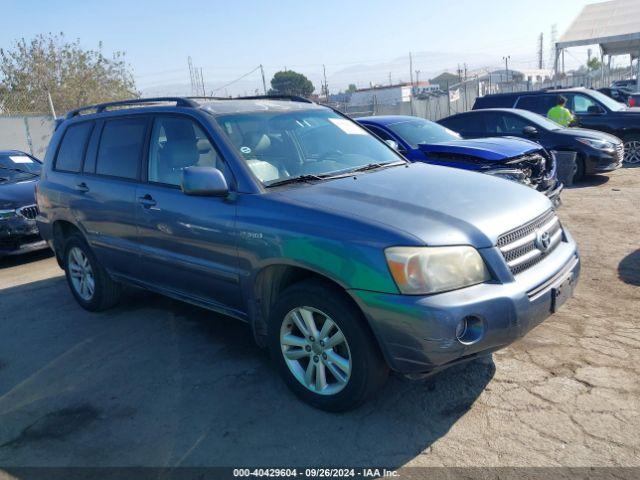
492,149
17,194
586,133
436,205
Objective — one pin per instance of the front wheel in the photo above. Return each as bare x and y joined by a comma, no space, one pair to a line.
632,149
323,349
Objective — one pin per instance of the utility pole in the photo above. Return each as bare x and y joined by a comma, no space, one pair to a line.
506,65
191,75
204,94
541,51
417,77
264,83
390,79
411,77
563,61
326,87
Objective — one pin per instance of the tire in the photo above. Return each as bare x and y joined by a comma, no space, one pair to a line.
580,170
78,257
319,301
632,149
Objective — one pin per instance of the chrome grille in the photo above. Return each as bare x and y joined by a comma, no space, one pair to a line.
30,212
527,245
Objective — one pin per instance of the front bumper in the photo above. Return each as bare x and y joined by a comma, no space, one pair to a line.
417,333
553,193
604,161
19,235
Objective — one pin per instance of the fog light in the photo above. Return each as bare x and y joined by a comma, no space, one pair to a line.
469,330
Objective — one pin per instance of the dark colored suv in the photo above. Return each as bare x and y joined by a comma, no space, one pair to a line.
345,259
593,110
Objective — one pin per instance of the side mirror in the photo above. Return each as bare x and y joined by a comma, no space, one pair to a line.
204,181
393,144
530,131
595,110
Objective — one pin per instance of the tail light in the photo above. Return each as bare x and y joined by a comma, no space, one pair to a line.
632,102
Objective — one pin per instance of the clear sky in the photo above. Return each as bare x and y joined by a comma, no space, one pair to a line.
230,38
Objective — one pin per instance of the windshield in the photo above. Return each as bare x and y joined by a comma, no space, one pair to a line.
418,131
539,120
283,145
608,102
18,166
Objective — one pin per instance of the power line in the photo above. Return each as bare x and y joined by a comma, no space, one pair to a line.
237,79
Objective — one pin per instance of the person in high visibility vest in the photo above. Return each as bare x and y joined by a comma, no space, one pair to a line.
561,114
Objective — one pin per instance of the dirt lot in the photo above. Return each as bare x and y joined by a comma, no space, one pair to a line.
159,383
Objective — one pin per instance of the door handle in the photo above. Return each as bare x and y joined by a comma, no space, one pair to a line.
147,201
82,187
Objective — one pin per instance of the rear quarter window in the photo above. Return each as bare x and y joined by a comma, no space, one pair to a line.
120,148
73,146
540,104
497,101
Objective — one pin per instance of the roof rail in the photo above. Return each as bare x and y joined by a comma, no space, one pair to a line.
293,98
101,107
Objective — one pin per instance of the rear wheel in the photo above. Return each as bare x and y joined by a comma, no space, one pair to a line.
322,348
89,282
632,149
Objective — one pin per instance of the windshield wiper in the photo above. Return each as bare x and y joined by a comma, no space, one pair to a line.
19,170
299,179
375,166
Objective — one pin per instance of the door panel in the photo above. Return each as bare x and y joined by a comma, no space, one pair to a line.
106,199
187,243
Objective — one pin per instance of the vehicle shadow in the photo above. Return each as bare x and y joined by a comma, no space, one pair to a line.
629,268
590,181
157,382
17,260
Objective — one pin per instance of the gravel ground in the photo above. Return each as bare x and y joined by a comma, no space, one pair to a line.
158,383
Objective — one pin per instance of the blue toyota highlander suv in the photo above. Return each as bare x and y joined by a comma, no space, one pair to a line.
344,259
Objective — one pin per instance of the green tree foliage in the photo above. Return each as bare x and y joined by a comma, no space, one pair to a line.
288,82
74,76
351,88
594,64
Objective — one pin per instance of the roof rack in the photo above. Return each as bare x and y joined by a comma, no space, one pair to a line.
293,98
101,107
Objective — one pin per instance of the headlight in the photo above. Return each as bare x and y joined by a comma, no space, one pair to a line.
513,174
422,270
4,214
598,144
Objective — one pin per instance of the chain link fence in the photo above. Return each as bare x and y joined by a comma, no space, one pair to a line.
460,97
26,121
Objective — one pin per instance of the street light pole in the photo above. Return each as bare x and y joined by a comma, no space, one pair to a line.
506,66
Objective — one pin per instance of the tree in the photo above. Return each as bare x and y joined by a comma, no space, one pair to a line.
351,88
288,82
594,64
73,76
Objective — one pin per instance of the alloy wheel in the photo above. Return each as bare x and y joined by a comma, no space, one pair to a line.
315,350
81,274
632,151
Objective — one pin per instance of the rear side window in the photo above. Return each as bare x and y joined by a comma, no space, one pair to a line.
494,101
72,147
537,103
453,123
120,149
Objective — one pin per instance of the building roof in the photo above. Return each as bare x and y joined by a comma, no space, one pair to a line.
614,25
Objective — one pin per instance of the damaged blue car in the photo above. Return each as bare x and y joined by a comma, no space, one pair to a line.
512,158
